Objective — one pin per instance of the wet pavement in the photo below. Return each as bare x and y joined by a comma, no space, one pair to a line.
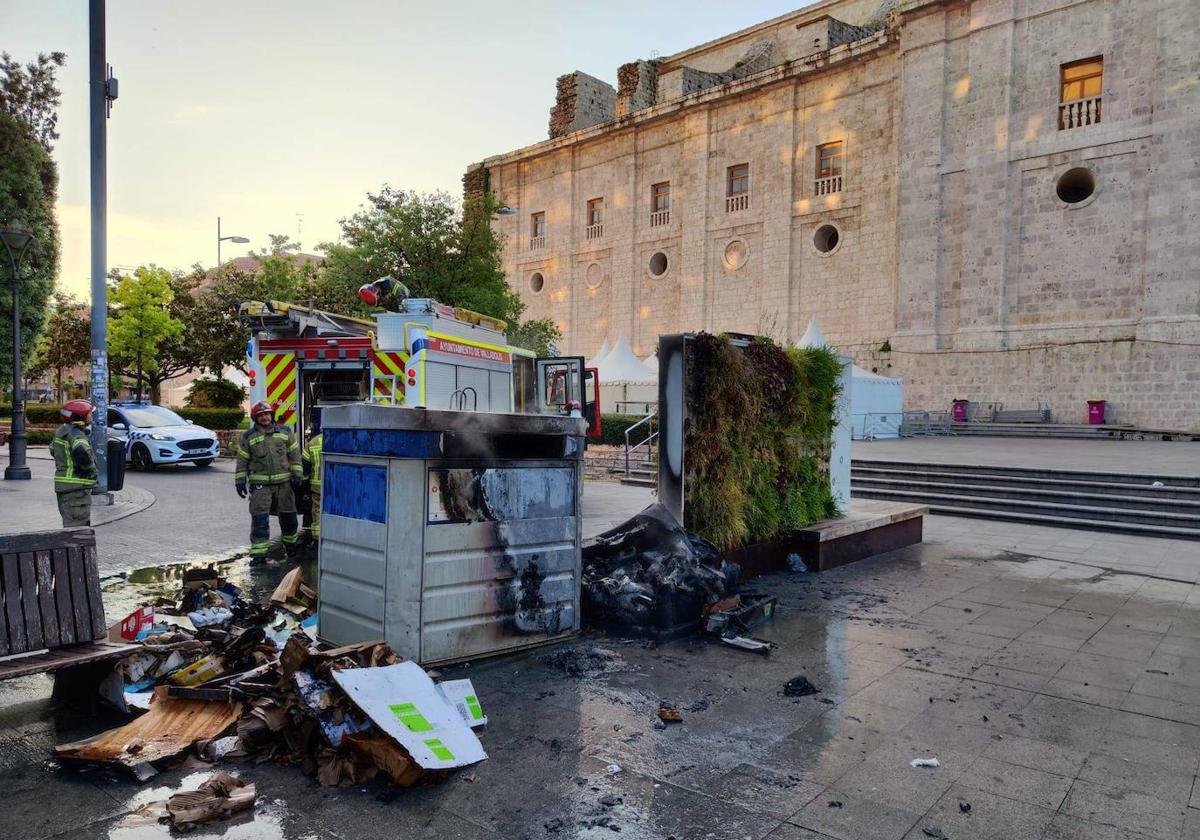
1061,701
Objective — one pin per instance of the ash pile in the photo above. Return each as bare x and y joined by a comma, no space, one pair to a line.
211,677
650,575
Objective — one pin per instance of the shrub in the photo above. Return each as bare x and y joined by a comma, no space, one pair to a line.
38,437
215,393
758,430
39,413
613,426
213,418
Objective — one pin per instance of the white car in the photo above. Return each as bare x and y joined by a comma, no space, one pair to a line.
155,435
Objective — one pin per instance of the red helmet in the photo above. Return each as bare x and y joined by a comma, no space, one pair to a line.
77,411
262,407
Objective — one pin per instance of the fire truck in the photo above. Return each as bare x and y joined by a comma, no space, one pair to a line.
424,354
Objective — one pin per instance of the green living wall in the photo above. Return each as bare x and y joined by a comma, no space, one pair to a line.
759,426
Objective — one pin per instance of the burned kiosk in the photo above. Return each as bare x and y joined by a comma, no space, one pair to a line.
451,534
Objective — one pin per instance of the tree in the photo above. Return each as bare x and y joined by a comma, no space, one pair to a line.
427,243
215,336
66,341
141,325
28,188
31,95
540,336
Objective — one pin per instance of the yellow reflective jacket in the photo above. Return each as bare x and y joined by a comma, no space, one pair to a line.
270,457
74,465
312,458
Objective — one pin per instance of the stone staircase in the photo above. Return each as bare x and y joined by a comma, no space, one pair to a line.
1100,501
609,463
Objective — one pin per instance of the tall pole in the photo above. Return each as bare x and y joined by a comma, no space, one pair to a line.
17,469
99,98
218,243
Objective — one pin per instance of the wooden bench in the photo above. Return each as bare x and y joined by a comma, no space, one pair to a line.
51,613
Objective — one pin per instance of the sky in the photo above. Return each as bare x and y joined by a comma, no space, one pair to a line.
279,116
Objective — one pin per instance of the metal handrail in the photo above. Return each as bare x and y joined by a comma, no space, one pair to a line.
648,419
458,399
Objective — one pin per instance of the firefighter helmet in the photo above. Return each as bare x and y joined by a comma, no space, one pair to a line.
77,411
262,407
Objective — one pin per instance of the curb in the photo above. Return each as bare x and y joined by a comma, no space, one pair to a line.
136,500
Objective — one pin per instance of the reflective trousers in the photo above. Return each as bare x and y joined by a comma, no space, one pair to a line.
75,507
315,530
266,499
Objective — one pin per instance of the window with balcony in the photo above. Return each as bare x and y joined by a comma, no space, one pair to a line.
737,187
660,204
537,231
1079,99
595,218
830,159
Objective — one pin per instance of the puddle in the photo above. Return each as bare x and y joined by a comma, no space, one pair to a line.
126,591
268,820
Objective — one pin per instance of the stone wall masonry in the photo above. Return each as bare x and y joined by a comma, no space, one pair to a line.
637,87
958,266
581,101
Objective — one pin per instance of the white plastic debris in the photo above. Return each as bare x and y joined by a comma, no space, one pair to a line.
1157,484
924,762
614,769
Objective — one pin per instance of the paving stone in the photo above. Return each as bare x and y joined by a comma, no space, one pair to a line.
1065,827
1171,784
1038,755
859,818
1125,809
1012,781
991,817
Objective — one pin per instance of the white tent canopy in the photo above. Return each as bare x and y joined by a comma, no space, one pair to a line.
876,405
813,336
600,354
621,365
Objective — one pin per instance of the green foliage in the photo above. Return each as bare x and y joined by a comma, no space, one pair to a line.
28,188
213,418
141,325
38,437
613,426
427,243
759,424
214,335
41,414
215,393
31,95
66,342
539,335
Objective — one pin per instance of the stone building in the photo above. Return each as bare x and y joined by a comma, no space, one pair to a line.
994,199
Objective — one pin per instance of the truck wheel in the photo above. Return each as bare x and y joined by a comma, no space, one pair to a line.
142,462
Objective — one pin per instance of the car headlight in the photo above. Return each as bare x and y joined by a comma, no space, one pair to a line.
161,437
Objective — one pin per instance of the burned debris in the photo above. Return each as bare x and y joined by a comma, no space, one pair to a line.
253,683
649,575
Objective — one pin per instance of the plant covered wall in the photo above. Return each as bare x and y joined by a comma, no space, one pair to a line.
757,437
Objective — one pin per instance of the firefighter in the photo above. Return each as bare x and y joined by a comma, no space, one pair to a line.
269,471
312,469
74,464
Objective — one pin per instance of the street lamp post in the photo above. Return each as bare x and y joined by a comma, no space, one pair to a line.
241,240
16,242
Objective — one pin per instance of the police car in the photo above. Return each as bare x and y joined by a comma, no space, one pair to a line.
155,435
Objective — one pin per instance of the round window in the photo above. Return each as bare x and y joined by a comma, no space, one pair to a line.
537,282
658,264
594,276
735,254
1076,185
826,238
